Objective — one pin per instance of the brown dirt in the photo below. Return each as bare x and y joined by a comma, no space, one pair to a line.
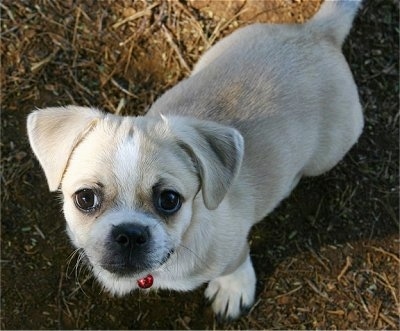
326,258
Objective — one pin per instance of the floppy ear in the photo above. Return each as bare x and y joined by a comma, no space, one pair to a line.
217,151
54,133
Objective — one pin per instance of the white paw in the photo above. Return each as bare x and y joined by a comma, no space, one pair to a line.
233,294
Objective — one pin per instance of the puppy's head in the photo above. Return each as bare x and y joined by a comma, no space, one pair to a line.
129,183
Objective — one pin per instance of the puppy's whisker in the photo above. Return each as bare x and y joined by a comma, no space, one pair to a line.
79,267
203,263
156,224
80,288
69,260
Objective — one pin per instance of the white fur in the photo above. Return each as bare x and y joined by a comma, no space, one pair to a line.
126,160
264,107
231,293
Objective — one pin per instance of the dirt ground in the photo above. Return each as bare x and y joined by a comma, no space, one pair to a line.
326,258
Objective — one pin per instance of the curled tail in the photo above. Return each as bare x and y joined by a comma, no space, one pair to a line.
334,19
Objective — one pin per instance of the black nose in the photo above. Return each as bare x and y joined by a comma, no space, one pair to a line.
130,236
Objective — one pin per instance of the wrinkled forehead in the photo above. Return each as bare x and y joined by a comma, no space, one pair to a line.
131,153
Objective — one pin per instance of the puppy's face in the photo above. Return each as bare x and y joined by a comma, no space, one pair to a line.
128,194
129,184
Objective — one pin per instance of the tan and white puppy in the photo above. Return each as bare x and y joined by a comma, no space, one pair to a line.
167,200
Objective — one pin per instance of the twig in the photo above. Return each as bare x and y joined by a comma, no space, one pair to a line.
289,293
59,296
316,290
121,104
315,255
73,101
254,306
388,321
110,104
9,12
78,15
44,16
362,300
221,27
338,312
116,84
79,84
128,59
381,250
175,47
345,268
135,16
79,287
37,65
194,20
385,282
182,321
377,312
39,231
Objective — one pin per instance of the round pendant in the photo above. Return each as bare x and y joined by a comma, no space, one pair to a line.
145,282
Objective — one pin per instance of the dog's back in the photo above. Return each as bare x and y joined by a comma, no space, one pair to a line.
287,89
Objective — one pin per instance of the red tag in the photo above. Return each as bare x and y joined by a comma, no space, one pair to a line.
145,282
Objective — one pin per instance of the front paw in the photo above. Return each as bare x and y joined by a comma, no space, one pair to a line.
233,295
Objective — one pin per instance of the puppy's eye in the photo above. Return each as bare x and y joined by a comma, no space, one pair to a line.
86,200
168,202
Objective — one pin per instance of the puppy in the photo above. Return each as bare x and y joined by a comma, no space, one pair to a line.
167,200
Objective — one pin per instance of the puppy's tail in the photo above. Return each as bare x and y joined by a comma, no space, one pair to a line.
334,19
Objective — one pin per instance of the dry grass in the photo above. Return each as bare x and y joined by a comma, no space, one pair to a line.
327,258
117,54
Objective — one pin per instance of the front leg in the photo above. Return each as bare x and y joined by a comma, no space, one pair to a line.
233,294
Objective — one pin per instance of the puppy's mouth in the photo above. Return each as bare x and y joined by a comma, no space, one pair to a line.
166,258
130,268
